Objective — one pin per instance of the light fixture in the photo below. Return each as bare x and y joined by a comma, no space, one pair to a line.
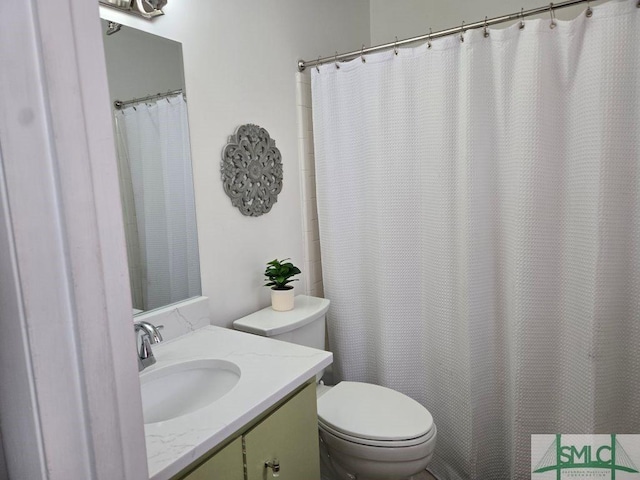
144,8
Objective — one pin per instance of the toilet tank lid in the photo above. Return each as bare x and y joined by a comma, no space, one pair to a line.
267,322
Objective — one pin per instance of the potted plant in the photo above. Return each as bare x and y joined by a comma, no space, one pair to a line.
278,275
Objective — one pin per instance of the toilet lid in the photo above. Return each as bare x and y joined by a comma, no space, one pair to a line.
372,412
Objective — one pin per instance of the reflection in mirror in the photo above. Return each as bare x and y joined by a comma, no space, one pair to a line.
146,84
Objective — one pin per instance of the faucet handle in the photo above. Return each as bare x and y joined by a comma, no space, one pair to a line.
146,354
145,347
148,334
157,336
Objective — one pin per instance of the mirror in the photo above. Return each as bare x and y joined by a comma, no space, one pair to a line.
148,98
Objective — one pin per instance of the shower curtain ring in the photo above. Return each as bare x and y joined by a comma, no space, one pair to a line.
462,32
395,46
429,38
362,55
486,30
553,16
589,11
318,65
521,18
336,61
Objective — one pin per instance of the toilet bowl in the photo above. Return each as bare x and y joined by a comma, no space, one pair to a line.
366,431
372,432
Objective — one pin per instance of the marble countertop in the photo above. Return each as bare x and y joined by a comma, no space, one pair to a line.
270,370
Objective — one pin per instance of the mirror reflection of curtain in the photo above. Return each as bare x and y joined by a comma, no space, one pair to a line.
129,214
153,138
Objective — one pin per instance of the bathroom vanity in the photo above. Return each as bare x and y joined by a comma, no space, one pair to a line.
285,441
264,414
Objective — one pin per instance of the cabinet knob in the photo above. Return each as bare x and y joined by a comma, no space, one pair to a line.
275,466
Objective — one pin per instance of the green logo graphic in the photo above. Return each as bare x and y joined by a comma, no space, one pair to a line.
606,456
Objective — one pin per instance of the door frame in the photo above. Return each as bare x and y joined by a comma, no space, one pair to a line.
70,402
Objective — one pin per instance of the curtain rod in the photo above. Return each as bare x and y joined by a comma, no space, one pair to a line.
118,104
303,64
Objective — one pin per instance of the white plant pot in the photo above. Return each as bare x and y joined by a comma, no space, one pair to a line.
282,300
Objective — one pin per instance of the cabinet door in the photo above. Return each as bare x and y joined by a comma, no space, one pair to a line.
224,465
289,434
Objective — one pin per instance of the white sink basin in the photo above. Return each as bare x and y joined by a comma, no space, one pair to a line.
175,390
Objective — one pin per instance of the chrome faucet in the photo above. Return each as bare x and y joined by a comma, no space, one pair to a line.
149,334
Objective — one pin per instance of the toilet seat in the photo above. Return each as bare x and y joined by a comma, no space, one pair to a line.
378,443
347,460
372,415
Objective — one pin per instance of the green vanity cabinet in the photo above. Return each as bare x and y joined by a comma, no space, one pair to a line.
224,465
288,434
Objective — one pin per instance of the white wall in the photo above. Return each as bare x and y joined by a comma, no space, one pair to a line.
409,18
240,64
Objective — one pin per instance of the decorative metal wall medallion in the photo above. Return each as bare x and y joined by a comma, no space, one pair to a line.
252,170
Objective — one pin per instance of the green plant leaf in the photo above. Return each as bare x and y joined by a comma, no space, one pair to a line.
278,273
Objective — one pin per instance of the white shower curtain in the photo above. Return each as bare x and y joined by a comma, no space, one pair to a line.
155,137
479,211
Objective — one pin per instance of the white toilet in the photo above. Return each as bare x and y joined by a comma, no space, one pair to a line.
367,432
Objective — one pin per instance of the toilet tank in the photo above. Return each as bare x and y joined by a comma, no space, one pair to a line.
304,325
